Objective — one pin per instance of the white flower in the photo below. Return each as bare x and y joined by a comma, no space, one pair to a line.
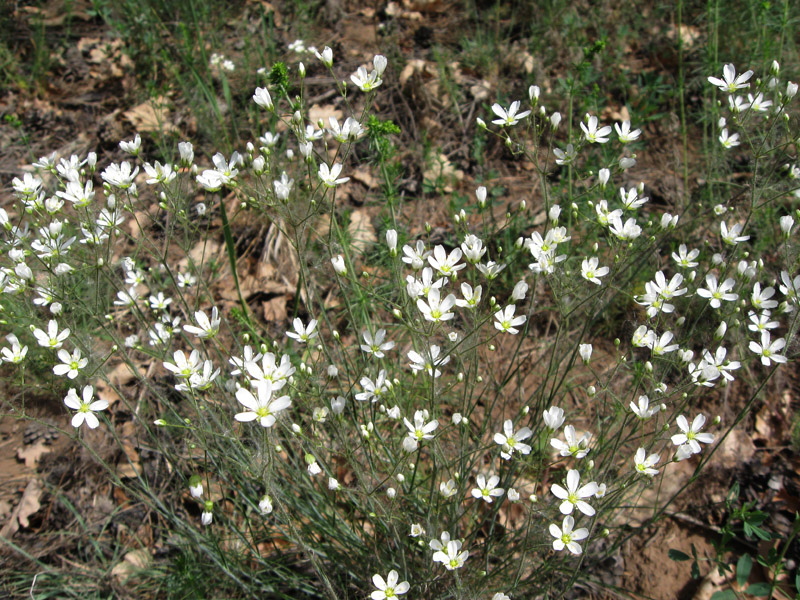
265,505
643,410
506,321
184,367
760,299
373,390
375,345
196,486
264,407
511,441
486,490
53,339
186,151
566,537
553,417
718,292
590,270
472,297
491,269
573,496
388,588
564,157
416,256
368,82
211,180
330,175
133,146
16,354
418,431
391,241
436,309
452,557
71,364
263,99
520,290
416,530
686,258
448,488
573,446
625,134
761,322
728,141
283,186
630,198
207,328
303,333
119,175
338,265
690,435
767,350
429,361
731,236
786,223
85,407
159,173
160,302
208,516
473,248
338,404
326,57
592,133
644,464
627,231
661,345
507,118
731,82
446,264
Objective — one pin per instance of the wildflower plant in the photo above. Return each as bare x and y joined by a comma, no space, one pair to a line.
421,399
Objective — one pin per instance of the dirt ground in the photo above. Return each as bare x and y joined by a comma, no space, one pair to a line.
92,99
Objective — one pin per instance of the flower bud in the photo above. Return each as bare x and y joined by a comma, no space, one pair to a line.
585,350
338,265
787,222
480,194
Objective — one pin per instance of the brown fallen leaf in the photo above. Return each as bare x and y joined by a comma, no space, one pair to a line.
317,112
361,231
119,376
152,115
27,507
133,561
31,454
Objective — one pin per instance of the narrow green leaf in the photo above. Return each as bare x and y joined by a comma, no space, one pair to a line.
677,555
743,568
724,595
